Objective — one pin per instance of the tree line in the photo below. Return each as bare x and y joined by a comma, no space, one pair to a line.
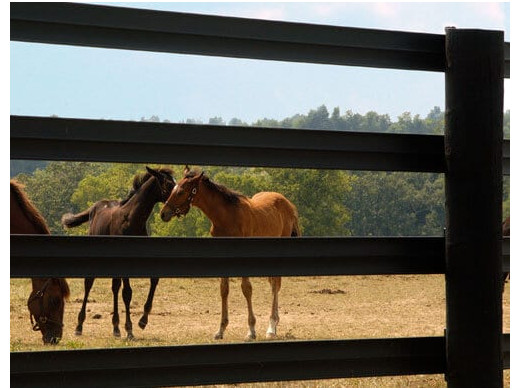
330,202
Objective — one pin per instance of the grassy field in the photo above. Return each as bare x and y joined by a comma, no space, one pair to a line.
187,311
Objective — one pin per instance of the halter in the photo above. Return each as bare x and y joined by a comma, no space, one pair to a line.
188,201
42,320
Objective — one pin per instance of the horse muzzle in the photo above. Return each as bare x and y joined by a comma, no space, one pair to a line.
166,215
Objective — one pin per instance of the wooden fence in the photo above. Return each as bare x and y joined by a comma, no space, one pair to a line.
472,155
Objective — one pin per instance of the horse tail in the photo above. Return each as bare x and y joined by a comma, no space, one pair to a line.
70,220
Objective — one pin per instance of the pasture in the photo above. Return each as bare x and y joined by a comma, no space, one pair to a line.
187,311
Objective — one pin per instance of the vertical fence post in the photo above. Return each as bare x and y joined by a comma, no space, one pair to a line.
473,147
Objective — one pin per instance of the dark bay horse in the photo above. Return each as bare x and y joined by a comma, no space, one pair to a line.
46,302
125,218
266,214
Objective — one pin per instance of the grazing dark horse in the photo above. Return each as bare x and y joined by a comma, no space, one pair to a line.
47,300
506,233
125,218
266,214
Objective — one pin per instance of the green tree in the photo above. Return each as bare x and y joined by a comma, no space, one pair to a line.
113,183
318,119
396,204
216,121
319,196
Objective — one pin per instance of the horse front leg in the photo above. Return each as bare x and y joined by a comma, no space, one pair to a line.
116,285
148,305
127,298
224,293
88,282
247,290
276,284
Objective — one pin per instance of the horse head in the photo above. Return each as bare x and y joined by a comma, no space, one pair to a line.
180,199
46,306
165,180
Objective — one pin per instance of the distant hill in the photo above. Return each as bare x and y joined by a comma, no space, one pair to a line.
26,166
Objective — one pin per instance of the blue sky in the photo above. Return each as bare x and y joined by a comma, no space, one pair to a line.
117,84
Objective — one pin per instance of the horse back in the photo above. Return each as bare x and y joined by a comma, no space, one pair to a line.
109,218
272,214
101,217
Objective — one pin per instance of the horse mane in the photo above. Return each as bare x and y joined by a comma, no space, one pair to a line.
142,178
28,209
230,196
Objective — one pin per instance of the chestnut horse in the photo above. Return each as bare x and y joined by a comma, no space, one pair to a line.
266,214
47,300
128,217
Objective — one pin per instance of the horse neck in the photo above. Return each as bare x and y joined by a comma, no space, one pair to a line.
214,206
142,203
25,219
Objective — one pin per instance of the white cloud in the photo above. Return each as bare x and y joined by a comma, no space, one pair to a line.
267,11
386,10
493,11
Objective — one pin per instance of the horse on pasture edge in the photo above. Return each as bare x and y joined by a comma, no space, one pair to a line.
266,214
46,302
125,218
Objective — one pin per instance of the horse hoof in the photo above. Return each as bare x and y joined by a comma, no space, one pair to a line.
142,323
78,332
117,333
219,336
270,335
130,337
251,337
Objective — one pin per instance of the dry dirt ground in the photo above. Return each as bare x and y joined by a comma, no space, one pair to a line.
187,311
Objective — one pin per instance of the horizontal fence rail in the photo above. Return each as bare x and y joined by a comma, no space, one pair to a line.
207,364
213,257
37,138
173,32
213,364
109,256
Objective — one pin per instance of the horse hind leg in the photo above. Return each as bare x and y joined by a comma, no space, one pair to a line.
149,301
127,298
224,293
88,282
247,290
276,284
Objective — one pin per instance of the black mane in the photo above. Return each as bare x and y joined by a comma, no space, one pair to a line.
230,196
142,178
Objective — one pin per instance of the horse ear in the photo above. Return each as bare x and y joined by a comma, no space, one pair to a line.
158,175
186,169
200,175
